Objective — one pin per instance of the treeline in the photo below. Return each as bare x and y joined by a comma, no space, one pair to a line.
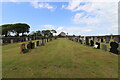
22,28
45,33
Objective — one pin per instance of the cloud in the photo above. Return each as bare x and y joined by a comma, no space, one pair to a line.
92,12
48,26
84,31
36,4
103,15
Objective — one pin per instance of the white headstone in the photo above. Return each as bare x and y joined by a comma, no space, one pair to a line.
26,39
35,44
11,40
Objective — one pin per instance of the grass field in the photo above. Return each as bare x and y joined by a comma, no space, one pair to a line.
60,58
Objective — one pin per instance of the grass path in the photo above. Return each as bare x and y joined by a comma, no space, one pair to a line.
60,58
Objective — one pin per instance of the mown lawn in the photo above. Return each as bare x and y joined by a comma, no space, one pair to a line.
60,58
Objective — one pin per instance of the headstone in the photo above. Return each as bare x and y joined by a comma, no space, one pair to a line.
119,48
104,47
47,40
97,43
92,38
116,39
30,39
80,41
22,48
42,44
114,47
87,41
37,43
119,39
101,39
26,39
11,40
91,43
98,39
29,45
1,41
107,39
33,45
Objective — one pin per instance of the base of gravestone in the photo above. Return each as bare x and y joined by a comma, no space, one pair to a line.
114,51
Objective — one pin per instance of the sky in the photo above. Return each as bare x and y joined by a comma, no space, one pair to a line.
73,17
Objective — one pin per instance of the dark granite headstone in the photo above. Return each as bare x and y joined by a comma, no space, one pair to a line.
114,47
97,43
80,41
37,43
101,39
91,43
87,41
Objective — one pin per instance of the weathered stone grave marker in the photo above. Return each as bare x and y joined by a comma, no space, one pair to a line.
22,48
107,39
104,47
11,41
42,44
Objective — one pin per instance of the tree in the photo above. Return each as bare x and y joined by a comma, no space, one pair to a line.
47,33
36,33
53,31
6,29
21,28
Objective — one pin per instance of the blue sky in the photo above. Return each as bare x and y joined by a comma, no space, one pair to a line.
79,18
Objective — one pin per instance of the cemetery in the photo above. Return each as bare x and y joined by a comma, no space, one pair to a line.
42,39
62,57
42,55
